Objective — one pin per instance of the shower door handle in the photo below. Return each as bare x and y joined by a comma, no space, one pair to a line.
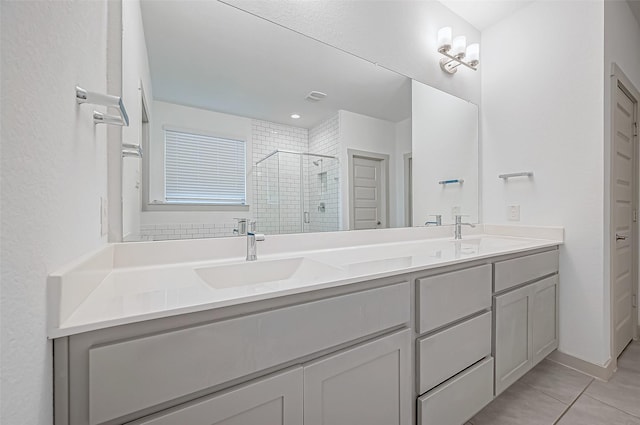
306,217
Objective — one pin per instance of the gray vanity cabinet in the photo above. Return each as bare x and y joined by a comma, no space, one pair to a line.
369,384
526,318
455,367
275,400
434,346
513,336
545,318
202,369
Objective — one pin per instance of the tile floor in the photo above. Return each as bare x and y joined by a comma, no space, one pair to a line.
554,394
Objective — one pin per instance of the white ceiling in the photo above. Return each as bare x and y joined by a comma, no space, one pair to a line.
209,55
484,13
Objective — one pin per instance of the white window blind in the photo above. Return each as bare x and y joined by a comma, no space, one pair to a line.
204,169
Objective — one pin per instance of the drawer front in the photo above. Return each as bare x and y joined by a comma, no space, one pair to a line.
452,350
457,400
451,296
510,273
132,375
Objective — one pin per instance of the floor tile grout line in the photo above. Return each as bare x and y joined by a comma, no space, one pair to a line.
574,402
555,397
613,407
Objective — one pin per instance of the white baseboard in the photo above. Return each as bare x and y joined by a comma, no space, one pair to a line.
603,373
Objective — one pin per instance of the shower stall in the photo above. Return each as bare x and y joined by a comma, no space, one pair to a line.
296,192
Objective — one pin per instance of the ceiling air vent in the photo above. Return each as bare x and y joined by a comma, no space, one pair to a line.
315,96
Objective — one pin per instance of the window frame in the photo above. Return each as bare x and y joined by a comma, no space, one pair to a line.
164,205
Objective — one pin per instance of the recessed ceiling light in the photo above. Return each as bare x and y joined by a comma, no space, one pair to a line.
295,116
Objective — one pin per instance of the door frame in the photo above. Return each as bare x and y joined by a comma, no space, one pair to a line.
384,158
408,189
619,79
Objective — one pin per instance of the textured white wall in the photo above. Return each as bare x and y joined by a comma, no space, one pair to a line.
621,46
53,174
542,116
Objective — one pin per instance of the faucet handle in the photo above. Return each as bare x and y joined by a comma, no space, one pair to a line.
459,220
259,236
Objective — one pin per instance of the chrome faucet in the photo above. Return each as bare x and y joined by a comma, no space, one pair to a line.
252,238
458,227
436,222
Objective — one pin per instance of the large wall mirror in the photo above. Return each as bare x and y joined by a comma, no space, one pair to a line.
245,119
444,156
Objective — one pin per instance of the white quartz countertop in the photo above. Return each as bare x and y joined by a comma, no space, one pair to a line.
97,293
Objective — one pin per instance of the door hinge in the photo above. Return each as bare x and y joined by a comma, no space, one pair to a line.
635,128
634,301
635,216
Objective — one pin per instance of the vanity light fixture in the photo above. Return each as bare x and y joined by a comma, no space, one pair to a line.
295,116
456,51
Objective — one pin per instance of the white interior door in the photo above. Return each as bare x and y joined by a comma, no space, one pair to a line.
624,187
368,183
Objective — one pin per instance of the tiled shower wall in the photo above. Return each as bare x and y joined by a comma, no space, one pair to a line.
278,205
163,232
324,178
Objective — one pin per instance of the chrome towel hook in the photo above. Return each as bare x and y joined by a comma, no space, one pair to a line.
84,96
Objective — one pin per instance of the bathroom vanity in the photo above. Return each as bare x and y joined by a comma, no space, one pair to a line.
411,330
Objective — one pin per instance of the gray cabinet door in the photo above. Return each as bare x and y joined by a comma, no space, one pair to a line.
513,336
275,400
369,384
545,318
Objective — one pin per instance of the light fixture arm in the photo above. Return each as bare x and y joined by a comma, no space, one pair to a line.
450,63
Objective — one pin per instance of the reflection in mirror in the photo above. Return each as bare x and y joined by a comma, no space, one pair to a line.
249,120
444,156
297,192
309,128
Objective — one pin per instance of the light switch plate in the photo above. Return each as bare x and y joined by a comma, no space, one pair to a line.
104,217
513,212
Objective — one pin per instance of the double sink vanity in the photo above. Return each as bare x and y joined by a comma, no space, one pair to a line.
395,326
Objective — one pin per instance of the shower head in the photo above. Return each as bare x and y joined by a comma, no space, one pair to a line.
317,162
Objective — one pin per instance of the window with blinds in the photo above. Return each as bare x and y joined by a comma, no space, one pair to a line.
203,169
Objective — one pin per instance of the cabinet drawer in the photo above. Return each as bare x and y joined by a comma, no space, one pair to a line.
132,375
510,273
451,296
458,399
452,350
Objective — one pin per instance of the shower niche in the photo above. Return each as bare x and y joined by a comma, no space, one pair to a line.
296,192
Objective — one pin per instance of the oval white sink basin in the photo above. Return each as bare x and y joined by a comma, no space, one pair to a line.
254,272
